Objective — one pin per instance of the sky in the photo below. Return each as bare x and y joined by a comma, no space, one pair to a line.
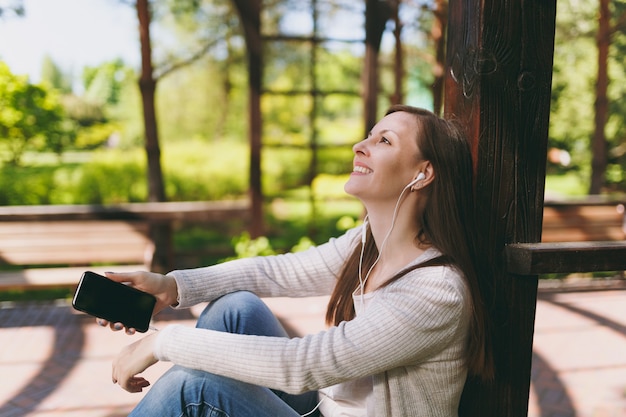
77,33
74,33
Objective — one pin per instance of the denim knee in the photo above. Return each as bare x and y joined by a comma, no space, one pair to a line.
240,312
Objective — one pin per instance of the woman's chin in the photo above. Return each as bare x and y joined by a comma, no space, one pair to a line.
349,189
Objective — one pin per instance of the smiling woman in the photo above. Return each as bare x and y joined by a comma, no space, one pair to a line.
406,323
73,33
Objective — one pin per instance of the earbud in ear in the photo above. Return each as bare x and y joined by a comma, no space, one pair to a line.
419,178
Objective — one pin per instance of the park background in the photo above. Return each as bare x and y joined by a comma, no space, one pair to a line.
72,129
73,135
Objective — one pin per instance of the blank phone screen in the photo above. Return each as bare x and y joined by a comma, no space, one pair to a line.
101,297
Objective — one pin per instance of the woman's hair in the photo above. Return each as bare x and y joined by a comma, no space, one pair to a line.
447,222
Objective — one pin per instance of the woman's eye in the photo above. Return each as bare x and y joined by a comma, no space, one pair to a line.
385,140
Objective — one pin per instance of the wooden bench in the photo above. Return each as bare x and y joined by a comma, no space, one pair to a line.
81,242
48,246
594,218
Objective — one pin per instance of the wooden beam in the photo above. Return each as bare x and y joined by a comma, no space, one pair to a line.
565,257
250,15
196,211
498,85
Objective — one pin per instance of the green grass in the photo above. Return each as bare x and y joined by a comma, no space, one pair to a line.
566,185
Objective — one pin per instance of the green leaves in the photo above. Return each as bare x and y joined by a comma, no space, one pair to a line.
28,115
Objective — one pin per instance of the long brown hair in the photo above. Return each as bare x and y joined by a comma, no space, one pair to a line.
447,222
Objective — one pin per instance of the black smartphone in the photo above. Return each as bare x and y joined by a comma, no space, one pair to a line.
101,297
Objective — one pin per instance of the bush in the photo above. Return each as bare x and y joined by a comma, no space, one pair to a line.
26,186
112,177
194,170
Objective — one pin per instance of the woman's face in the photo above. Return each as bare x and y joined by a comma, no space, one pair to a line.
387,160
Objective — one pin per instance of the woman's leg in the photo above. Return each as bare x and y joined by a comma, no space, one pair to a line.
187,392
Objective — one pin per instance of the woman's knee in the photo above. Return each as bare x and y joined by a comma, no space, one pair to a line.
240,312
192,393
183,392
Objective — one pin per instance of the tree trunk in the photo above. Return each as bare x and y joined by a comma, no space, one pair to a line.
599,146
160,233
376,15
250,14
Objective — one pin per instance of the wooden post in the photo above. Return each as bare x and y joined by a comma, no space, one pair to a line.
498,83
376,15
250,14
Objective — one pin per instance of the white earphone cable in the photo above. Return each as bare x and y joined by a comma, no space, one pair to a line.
362,281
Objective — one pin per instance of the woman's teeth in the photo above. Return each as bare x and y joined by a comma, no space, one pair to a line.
361,170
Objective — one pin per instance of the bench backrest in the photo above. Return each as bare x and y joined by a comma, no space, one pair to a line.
578,222
80,242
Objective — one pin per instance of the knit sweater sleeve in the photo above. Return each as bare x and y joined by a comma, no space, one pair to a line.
410,322
304,274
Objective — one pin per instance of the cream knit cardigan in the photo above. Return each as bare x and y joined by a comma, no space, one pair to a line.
412,338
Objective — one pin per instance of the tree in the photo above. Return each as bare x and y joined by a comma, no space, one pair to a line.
54,76
160,232
93,113
606,30
16,8
147,85
588,115
250,15
572,98
103,83
598,141
29,115
616,127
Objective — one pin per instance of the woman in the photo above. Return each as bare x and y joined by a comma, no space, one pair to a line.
406,318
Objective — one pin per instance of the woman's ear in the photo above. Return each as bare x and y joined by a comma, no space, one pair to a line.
423,176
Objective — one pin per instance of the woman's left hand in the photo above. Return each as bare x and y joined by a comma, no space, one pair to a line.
133,360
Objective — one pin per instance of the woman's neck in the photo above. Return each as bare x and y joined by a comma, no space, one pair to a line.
396,243
392,231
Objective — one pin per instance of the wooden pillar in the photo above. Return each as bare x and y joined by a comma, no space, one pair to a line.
250,14
376,15
498,83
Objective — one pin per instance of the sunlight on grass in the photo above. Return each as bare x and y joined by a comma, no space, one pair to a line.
566,185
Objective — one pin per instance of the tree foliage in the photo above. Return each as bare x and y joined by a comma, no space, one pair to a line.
200,65
573,94
12,7
31,116
54,77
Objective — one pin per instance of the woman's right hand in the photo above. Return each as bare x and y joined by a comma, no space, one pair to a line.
163,287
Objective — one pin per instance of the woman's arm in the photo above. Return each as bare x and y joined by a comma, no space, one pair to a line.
410,322
308,273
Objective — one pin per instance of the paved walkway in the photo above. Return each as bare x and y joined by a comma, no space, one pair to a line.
55,362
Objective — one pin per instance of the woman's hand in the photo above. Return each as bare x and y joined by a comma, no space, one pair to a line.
163,287
133,360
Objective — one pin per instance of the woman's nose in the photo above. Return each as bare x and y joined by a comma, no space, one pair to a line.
360,147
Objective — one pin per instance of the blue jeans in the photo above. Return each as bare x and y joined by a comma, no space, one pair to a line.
188,392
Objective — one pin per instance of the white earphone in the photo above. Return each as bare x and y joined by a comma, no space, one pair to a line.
362,280
419,178
364,230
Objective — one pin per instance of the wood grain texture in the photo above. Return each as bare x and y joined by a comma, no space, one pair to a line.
498,81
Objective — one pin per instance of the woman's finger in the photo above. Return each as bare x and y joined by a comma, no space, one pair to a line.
116,327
